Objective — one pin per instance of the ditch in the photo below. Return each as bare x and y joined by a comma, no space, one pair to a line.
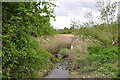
62,68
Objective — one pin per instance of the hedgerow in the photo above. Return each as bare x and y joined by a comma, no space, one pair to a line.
21,23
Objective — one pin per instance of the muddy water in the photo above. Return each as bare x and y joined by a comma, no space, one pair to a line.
60,72
55,44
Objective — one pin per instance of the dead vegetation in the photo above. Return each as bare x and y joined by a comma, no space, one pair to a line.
54,43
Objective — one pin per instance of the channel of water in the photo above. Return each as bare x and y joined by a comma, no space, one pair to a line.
60,72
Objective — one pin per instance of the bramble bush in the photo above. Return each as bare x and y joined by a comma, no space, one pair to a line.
21,23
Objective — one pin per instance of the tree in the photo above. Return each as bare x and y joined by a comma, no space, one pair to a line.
107,10
118,21
65,28
75,23
88,15
72,28
22,22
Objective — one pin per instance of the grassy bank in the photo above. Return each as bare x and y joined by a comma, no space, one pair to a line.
54,43
93,55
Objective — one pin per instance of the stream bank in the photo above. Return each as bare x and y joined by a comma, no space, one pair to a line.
59,46
62,69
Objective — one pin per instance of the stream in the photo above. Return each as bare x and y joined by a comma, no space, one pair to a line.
60,72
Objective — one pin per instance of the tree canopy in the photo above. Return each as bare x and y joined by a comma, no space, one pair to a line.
21,22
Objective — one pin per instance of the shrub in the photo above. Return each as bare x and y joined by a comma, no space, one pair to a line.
64,32
22,23
62,52
98,33
102,60
107,68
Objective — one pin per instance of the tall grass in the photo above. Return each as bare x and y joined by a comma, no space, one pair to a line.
100,33
99,54
55,43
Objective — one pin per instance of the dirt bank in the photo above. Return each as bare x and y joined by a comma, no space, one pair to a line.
54,43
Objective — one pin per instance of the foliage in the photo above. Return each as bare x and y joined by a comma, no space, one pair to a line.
99,59
99,32
89,16
103,58
72,28
65,28
64,32
22,22
107,11
62,52
94,33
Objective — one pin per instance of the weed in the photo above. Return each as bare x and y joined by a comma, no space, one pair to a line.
99,59
62,52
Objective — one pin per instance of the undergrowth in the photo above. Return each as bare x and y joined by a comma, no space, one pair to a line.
100,59
62,52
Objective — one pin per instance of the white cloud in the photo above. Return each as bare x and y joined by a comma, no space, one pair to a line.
69,9
75,0
61,22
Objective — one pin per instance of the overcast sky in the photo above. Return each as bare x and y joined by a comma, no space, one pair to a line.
69,9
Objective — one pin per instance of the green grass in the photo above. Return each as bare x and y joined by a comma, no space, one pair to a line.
64,32
100,59
100,33
62,52
100,56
